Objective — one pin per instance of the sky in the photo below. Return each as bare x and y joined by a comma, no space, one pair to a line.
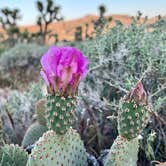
71,9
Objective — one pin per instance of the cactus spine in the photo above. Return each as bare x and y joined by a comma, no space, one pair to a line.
132,118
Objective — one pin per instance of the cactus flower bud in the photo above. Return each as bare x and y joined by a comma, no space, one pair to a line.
138,94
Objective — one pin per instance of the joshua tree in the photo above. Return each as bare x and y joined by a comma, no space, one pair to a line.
139,14
8,21
47,14
9,17
102,10
78,33
25,36
86,31
101,22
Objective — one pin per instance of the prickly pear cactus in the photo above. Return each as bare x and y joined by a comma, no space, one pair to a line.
58,150
13,155
34,132
62,70
133,113
59,112
123,152
132,118
40,111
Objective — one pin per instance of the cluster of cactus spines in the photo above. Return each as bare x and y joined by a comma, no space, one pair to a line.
133,114
40,111
13,155
60,112
132,118
53,149
123,152
34,132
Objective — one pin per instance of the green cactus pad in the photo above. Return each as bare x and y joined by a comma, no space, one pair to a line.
34,132
13,155
58,150
40,111
60,112
123,153
132,119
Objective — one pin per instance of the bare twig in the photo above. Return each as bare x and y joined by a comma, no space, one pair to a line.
117,86
158,91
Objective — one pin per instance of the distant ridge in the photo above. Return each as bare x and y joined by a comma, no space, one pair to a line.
66,29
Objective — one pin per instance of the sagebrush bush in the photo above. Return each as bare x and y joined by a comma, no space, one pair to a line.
18,63
119,58
17,113
21,55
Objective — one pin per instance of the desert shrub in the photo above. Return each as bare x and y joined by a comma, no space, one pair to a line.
118,59
17,112
18,63
21,55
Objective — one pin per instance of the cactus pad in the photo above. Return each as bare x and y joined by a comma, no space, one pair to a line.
60,112
123,153
58,150
132,119
133,114
40,111
34,132
13,155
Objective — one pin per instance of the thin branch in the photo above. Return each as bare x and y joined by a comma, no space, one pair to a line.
158,91
117,86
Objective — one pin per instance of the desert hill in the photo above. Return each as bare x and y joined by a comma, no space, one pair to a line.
66,29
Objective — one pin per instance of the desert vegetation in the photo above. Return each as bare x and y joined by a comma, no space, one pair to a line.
112,92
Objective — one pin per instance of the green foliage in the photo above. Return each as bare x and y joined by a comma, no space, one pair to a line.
1,133
13,155
34,92
34,132
150,145
66,150
22,55
59,112
123,153
18,63
17,112
118,59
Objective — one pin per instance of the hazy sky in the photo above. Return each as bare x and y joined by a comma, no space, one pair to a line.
77,8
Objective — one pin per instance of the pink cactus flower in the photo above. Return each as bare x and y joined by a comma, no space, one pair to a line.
63,68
